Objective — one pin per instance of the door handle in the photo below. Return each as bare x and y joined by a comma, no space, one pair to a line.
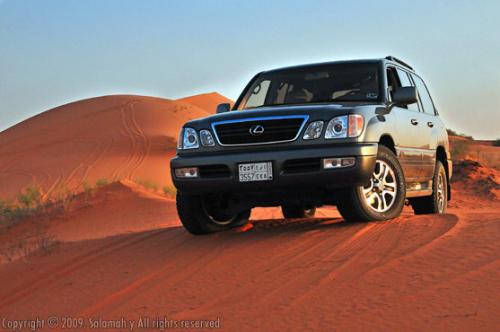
414,122
430,124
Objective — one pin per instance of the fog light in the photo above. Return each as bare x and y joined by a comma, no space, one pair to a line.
329,163
346,162
187,172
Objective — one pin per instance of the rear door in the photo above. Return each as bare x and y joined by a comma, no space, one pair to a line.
428,130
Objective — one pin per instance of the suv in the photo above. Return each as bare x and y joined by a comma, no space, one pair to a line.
363,135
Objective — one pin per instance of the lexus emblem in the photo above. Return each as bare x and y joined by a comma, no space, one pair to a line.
256,130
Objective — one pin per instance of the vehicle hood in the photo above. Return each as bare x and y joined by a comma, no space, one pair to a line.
314,112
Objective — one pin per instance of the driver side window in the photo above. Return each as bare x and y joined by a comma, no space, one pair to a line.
258,95
392,82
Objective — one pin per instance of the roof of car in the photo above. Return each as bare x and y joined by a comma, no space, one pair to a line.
388,59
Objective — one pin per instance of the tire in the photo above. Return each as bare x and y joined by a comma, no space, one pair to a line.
438,201
359,204
297,211
198,220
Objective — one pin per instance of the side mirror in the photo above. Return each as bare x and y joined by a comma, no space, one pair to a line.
405,95
223,108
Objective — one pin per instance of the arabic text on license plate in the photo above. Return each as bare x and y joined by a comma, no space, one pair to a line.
255,172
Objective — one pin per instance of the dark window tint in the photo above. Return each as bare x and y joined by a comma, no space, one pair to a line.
392,82
405,81
423,95
357,82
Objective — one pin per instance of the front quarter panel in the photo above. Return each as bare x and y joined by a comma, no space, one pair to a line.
377,124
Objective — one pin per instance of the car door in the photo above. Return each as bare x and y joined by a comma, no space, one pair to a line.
408,129
429,129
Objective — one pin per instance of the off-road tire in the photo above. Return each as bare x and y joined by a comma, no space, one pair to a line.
431,204
195,218
352,203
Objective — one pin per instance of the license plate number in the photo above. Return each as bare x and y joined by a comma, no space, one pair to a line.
255,172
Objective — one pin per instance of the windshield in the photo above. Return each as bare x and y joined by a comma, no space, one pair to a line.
356,82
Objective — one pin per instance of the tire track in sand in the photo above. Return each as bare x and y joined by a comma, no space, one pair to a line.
162,274
58,273
308,250
388,239
140,144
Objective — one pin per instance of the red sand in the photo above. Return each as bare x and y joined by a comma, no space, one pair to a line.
112,137
124,254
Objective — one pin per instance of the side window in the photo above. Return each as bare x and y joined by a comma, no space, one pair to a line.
392,81
405,81
258,95
424,96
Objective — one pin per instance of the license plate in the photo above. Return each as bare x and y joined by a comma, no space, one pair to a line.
255,172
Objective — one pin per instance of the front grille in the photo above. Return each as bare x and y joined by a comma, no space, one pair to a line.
301,165
214,171
275,130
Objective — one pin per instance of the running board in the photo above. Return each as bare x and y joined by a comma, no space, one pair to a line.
418,193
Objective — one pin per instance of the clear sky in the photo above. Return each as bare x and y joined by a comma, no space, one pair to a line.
56,51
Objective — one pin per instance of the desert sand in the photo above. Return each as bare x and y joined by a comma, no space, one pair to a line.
120,252
111,137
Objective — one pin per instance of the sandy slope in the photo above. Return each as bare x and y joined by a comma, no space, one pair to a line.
112,137
411,273
206,101
122,252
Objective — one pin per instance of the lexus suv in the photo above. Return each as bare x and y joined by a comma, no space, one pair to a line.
363,135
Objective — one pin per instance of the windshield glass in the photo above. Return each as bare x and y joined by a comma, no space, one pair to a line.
356,82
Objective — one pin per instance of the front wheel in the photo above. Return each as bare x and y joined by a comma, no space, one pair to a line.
382,197
201,215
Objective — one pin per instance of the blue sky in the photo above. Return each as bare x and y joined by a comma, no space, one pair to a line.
56,51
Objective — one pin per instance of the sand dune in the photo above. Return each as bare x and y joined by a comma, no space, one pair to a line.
112,137
120,252
118,208
206,101
411,273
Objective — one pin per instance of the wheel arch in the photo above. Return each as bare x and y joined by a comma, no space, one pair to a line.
387,141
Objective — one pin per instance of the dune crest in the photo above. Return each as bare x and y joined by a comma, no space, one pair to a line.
110,137
206,101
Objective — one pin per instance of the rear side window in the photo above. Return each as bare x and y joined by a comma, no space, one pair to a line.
424,96
405,81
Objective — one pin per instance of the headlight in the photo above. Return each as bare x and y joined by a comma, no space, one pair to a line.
206,138
345,126
190,139
314,130
337,127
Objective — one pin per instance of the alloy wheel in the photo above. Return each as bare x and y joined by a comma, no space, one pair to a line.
380,193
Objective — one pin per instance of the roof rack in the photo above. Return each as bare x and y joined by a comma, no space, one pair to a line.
393,58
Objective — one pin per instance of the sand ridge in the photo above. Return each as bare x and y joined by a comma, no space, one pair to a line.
121,251
111,137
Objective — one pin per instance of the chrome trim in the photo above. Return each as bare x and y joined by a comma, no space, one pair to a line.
304,117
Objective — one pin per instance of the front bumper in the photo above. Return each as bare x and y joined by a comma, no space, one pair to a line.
364,153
